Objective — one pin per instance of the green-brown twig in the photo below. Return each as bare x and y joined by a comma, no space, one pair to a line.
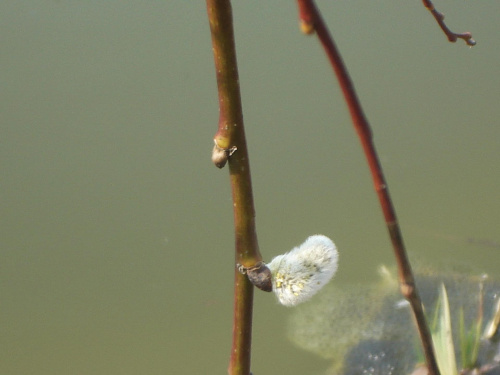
230,145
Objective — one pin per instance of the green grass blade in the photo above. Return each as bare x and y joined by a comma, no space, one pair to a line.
443,338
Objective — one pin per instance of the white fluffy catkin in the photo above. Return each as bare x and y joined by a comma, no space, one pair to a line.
303,271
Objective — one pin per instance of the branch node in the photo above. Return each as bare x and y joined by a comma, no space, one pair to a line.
221,155
307,27
407,289
452,37
259,275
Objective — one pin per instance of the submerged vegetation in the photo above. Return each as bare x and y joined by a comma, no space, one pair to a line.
369,329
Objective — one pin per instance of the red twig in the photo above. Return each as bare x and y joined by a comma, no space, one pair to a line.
452,37
311,21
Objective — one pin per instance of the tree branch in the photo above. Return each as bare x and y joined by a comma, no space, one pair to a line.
230,146
311,21
452,37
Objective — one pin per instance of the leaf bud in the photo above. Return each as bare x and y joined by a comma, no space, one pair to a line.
260,276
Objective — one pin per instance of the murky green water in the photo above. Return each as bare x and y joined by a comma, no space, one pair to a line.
116,229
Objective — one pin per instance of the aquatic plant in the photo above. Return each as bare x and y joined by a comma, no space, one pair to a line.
367,328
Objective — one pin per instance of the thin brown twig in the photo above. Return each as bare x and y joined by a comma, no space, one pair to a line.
311,21
452,37
230,145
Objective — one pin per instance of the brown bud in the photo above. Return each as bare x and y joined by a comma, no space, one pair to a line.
219,156
260,276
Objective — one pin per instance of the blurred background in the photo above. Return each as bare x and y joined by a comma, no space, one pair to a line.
116,240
